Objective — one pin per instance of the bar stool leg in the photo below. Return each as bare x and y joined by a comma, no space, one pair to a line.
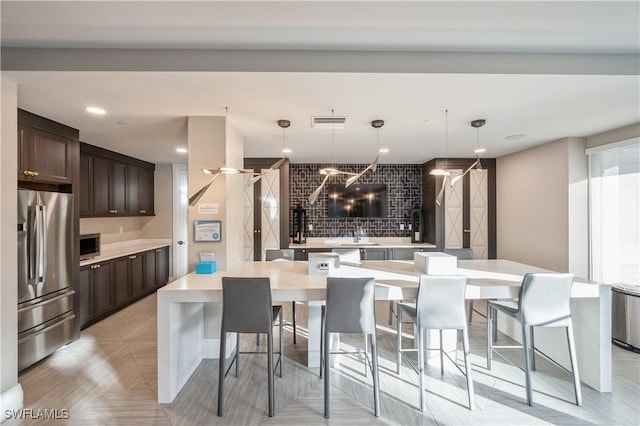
237,354
574,365
221,367
326,374
420,366
527,363
470,316
467,367
366,356
533,350
399,341
489,336
376,382
441,354
293,308
390,312
281,337
270,373
321,340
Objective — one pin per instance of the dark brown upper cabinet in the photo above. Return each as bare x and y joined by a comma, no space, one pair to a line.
114,184
46,149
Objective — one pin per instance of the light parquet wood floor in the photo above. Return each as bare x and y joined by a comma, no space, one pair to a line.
108,377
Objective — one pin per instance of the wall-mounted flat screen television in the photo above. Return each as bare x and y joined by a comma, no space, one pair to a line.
366,200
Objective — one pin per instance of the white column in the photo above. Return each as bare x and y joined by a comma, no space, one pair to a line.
212,143
10,390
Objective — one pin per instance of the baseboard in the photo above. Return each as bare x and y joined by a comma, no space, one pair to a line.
13,399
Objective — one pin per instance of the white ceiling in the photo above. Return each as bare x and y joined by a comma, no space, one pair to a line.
147,110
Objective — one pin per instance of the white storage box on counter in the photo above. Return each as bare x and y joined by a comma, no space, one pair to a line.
323,263
435,263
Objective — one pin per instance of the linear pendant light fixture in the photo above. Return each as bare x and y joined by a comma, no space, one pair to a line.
283,124
215,173
376,124
477,164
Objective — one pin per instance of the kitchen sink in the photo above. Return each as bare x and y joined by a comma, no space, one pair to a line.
359,244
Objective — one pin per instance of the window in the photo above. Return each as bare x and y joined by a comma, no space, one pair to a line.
614,185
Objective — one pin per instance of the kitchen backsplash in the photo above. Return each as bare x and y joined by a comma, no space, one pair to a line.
404,192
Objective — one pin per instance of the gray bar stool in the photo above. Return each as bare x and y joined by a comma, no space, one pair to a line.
247,308
350,308
283,254
544,302
440,305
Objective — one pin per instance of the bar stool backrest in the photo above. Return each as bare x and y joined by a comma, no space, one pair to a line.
441,302
544,299
246,305
283,254
350,306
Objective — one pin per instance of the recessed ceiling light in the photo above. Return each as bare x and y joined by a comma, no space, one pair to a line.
181,150
515,137
286,150
95,110
480,150
383,150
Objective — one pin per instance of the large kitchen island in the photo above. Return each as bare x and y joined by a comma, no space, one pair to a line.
189,310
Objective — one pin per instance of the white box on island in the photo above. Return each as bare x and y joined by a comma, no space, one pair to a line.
435,263
323,263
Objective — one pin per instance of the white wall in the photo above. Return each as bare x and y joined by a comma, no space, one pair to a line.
10,390
542,206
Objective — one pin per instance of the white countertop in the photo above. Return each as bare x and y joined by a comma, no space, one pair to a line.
124,248
347,242
497,278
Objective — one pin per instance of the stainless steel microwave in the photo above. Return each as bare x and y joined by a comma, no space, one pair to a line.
89,246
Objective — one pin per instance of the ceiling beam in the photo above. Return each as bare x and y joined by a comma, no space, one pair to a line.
203,60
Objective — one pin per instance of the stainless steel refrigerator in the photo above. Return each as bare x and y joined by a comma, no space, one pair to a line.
45,274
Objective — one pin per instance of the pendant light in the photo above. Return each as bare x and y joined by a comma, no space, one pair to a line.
215,174
283,124
477,164
327,172
443,171
376,124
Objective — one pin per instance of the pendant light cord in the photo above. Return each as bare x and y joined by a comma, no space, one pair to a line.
333,142
446,149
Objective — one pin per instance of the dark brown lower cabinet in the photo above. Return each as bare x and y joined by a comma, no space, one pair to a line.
136,275
121,280
150,270
129,278
113,284
96,292
162,266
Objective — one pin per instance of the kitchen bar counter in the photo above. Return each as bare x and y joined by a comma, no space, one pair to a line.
185,338
124,248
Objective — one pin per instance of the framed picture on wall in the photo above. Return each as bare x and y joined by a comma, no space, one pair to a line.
209,231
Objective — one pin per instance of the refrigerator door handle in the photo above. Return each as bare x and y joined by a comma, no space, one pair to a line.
42,249
32,245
